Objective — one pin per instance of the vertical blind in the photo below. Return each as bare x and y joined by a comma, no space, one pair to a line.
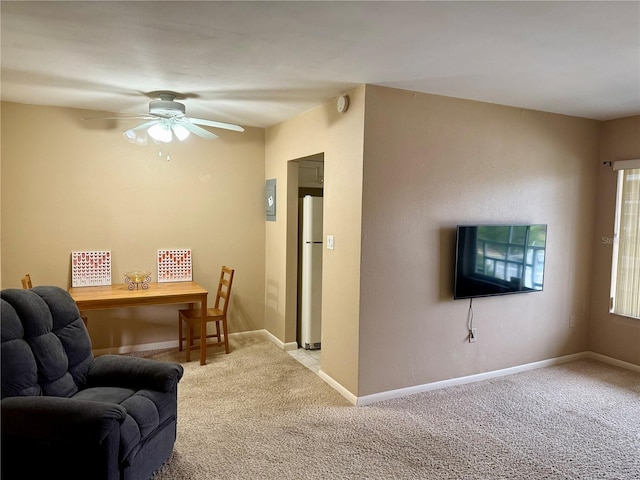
625,278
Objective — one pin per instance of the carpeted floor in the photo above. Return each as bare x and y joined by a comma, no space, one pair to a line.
257,413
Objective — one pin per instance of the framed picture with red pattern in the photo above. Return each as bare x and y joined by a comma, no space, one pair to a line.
174,265
90,268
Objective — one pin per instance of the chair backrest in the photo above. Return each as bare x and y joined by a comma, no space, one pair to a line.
224,288
26,282
44,346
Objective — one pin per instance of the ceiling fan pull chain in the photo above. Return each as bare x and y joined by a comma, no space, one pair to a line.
168,156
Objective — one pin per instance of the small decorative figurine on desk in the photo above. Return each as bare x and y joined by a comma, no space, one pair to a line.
137,280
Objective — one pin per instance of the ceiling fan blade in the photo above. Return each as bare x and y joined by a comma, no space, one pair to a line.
123,116
201,132
211,123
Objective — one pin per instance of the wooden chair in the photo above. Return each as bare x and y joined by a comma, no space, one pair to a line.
217,314
26,282
26,285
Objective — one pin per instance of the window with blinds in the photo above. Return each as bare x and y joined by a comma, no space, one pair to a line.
625,272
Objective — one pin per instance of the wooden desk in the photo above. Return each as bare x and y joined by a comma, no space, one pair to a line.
118,296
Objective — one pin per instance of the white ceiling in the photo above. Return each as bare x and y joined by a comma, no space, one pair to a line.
259,63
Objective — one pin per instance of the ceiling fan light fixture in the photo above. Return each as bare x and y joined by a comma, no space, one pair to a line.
180,132
160,132
132,137
142,140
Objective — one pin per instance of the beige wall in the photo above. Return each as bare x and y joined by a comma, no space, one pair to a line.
611,335
339,137
400,174
70,184
433,162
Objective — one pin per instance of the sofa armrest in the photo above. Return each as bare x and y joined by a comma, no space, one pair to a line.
121,371
56,418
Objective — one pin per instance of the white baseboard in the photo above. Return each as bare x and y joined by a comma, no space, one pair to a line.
614,361
338,387
249,333
144,347
402,392
279,343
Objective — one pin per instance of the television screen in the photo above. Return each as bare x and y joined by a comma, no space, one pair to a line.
499,260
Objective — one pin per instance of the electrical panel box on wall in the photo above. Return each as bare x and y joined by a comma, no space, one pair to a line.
270,200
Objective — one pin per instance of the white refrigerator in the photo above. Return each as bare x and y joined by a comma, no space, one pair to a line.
311,298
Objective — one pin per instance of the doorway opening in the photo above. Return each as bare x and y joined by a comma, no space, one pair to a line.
310,250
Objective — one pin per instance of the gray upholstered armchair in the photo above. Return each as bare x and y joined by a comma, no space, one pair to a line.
66,414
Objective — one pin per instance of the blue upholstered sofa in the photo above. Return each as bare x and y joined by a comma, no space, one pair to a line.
66,414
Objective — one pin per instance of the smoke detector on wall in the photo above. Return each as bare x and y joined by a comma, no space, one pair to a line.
343,103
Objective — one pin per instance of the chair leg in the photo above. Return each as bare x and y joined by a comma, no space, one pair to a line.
221,334
217,334
226,334
189,340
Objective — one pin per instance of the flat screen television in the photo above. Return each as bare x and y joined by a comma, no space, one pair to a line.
499,260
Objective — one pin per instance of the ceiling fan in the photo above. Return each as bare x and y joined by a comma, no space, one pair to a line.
168,118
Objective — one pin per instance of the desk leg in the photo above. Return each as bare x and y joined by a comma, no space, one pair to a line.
203,330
